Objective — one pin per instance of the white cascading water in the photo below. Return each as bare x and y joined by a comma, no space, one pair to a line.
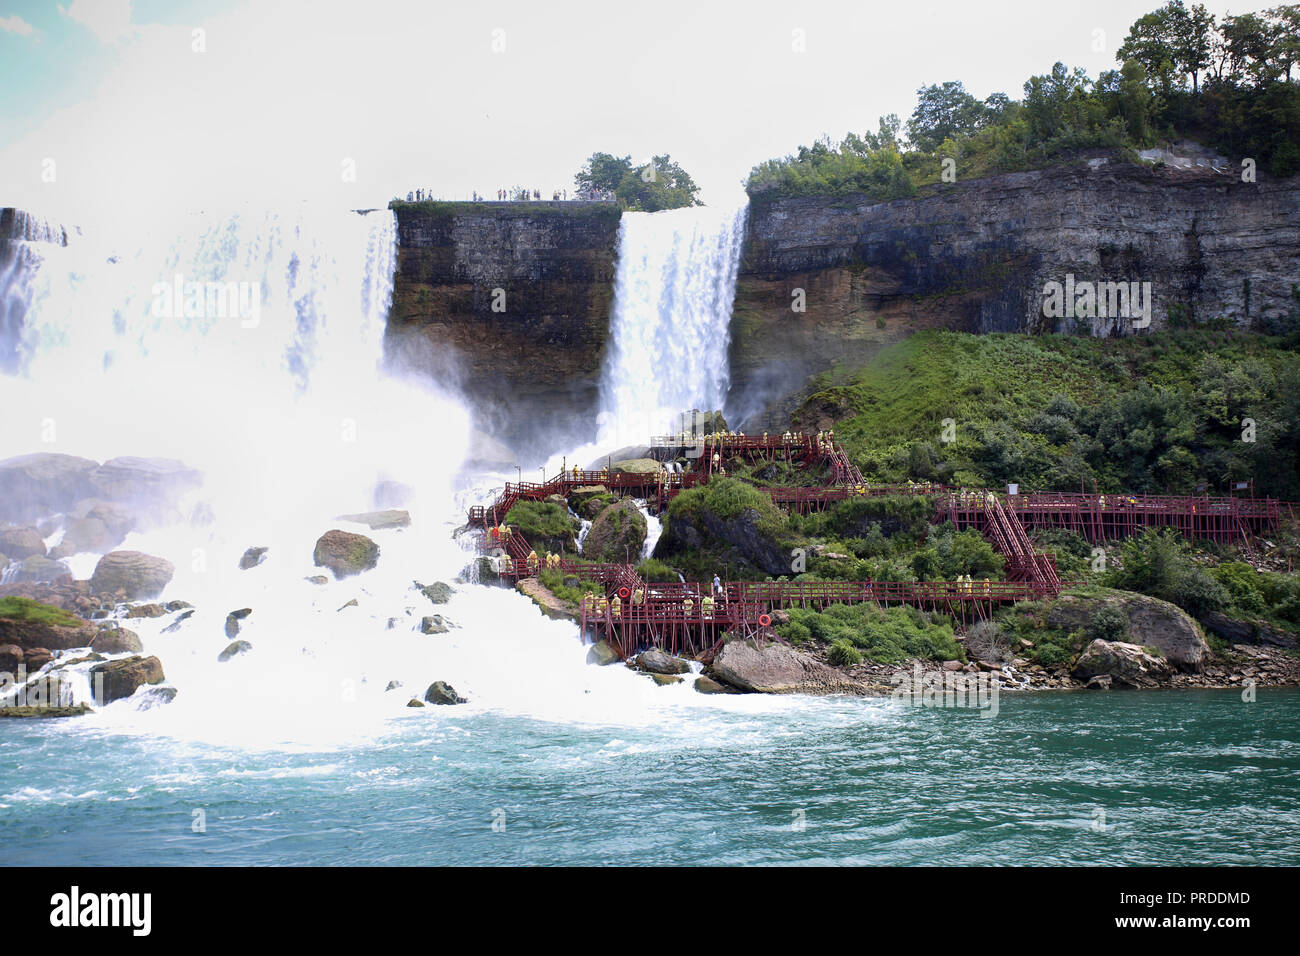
673,295
292,421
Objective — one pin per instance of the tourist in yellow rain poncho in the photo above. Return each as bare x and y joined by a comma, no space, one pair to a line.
706,606
638,596
615,606
688,606
532,561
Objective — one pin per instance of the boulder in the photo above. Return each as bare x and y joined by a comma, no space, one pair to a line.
554,607
637,466
116,640
437,592
765,667
11,655
627,453
433,624
1127,665
317,579
233,619
380,520
741,539
152,697
146,610
345,553
136,574
34,658
113,680
440,692
30,624
617,534
175,625
601,654
33,486
663,680
656,661
585,493
392,685
353,603
1152,623
234,649
152,482
707,685
19,543
39,570
1248,631
252,558
414,703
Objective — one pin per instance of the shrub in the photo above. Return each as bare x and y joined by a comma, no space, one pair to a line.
843,654
1110,623
652,569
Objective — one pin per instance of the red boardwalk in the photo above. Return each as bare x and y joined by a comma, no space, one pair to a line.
689,619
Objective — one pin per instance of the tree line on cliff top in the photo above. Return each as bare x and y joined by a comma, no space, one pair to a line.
1228,84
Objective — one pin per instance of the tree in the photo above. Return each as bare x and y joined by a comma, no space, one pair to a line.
602,172
1152,40
659,184
943,111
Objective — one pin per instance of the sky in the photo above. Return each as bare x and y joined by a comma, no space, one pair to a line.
118,108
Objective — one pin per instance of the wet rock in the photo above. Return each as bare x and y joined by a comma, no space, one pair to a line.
154,482
174,606
433,624
392,685
707,685
116,640
156,697
765,667
440,692
380,520
233,620
1248,631
31,624
317,579
39,570
113,680
175,625
664,679
11,655
19,543
353,603
656,661
136,574
1152,623
345,553
552,606
32,486
34,658
414,703
437,592
234,649
601,654
252,558
1098,682
617,534
146,610
1127,665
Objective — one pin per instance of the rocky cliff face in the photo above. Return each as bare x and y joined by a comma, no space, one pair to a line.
512,302
976,256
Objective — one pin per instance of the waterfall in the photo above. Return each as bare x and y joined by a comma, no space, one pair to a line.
673,295
293,422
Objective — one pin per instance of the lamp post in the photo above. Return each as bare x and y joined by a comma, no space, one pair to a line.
521,474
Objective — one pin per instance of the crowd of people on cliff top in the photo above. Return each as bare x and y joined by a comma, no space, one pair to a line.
522,194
